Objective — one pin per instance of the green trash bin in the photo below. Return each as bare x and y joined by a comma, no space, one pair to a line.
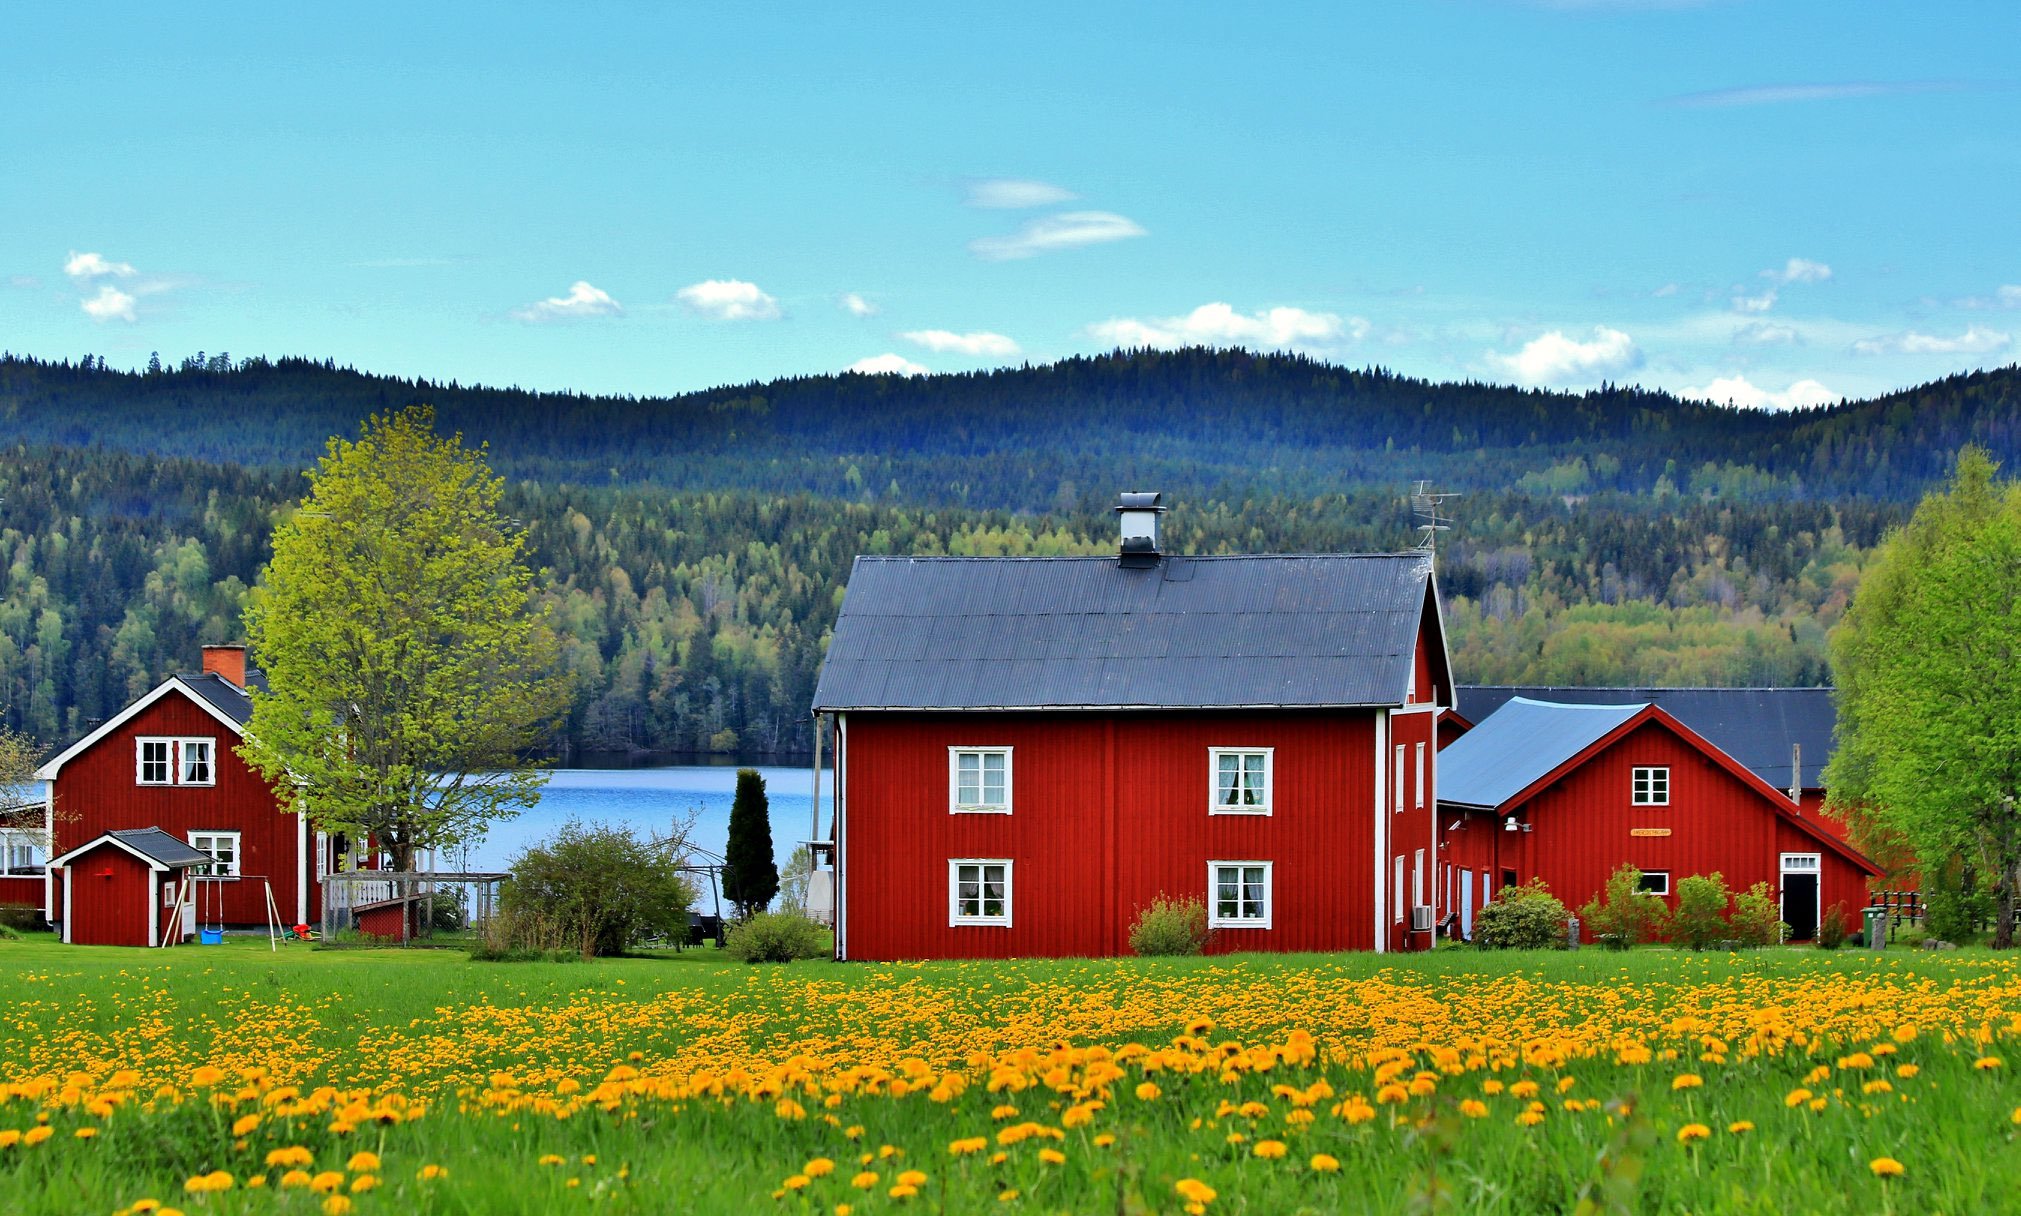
1877,927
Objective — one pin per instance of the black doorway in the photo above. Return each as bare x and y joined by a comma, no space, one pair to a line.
1799,906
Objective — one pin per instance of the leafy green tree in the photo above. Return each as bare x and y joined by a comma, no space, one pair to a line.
411,678
750,875
1701,911
1928,666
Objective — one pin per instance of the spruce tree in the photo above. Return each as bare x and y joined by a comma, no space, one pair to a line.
750,876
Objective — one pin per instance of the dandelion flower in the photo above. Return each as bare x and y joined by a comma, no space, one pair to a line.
1325,1164
1692,1131
1885,1167
1269,1150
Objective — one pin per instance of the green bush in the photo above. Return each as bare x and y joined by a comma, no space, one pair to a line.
1757,921
1954,907
19,916
1701,911
1624,915
1831,931
776,937
597,890
1170,927
1527,917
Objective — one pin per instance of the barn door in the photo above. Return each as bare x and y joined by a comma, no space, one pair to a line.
1801,897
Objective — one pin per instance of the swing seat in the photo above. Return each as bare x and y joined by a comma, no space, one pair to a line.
210,937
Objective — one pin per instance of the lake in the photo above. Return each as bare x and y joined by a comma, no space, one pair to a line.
648,800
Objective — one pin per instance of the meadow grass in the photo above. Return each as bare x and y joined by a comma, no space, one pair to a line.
1656,1080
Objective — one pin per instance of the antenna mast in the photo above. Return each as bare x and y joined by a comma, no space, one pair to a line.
1428,508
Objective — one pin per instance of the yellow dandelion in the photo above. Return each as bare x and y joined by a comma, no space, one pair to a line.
1325,1164
1885,1167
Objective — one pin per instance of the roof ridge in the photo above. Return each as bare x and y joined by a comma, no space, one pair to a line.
1110,557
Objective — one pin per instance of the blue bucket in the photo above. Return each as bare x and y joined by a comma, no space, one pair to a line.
210,937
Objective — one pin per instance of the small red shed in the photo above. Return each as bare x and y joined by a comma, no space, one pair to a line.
119,886
395,920
1568,793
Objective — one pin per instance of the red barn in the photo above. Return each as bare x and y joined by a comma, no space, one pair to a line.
128,888
1030,750
1568,793
169,761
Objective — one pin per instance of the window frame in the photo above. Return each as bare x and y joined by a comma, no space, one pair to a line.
1267,806
140,761
1396,800
1214,918
235,868
1418,787
955,806
210,745
955,918
1636,785
1396,895
1649,874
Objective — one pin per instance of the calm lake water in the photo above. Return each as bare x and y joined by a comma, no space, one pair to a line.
648,800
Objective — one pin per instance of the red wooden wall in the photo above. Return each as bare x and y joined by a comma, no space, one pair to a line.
1581,829
21,889
96,793
1108,812
110,899
1414,831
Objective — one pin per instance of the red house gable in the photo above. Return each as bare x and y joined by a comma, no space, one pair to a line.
1030,751
169,761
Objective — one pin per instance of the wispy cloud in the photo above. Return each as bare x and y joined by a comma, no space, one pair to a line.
402,263
91,271
979,343
2006,296
1218,324
1764,333
95,265
886,365
855,305
729,300
1738,390
1974,341
581,301
1784,94
1015,193
1557,359
1799,270
1047,234
1742,302
110,304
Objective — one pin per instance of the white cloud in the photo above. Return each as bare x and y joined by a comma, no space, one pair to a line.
1557,359
1665,292
1760,303
1799,270
729,300
582,300
980,343
92,265
1781,94
1067,230
886,365
855,305
1219,324
1974,341
2008,296
1763,333
110,304
1015,193
1738,390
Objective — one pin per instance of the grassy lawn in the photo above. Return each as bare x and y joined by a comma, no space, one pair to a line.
1457,1081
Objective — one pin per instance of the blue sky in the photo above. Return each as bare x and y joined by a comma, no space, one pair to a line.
1768,202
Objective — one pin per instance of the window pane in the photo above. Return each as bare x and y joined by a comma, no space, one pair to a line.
992,762
1227,776
992,788
1252,766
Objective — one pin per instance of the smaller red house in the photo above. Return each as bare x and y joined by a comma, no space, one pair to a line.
128,888
1568,793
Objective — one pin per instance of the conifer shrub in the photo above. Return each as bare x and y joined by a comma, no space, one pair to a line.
1623,914
775,937
1757,921
1170,927
1701,912
1526,917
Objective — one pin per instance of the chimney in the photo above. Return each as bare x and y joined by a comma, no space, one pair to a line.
1139,512
226,661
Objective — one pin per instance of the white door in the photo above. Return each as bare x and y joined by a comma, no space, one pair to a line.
1467,904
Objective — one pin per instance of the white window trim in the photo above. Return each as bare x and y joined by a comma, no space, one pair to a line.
140,759
1663,874
1396,795
1215,921
954,917
237,866
1419,787
1397,883
954,804
1634,773
210,743
1214,755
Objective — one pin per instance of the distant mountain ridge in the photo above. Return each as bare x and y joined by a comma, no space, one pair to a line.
1218,421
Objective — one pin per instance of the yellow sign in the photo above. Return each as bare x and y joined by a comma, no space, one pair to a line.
1649,831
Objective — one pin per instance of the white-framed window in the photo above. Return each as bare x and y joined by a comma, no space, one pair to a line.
18,851
158,761
979,780
979,891
224,850
1417,881
1419,786
1398,792
1654,882
1396,889
1238,894
1240,779
1649,785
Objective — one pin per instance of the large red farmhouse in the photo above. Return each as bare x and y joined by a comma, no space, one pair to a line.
1031,750
1568,793
169,761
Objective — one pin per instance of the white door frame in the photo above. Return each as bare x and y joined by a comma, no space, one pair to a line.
1814,870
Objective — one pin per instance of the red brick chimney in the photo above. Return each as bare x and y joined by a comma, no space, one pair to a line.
226,661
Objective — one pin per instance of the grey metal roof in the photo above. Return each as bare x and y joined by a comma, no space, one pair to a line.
1506,752
162,847
1756,726
223,695
1088,632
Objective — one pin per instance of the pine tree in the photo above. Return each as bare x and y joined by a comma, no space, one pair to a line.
750,876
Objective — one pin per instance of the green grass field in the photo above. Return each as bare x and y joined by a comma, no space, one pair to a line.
1777,1081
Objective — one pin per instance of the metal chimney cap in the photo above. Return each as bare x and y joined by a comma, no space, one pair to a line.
1140,500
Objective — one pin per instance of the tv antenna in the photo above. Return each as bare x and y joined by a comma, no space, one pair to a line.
1428,507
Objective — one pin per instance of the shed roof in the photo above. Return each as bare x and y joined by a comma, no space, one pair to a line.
1757,726
152,845
1518,745
952,633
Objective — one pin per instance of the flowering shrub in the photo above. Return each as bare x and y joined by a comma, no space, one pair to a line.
1170,927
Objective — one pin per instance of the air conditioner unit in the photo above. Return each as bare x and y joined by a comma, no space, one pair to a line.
1421,919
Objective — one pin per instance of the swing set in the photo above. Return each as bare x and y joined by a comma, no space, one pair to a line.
198,894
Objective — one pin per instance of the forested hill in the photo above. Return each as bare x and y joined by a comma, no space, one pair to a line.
1229,423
